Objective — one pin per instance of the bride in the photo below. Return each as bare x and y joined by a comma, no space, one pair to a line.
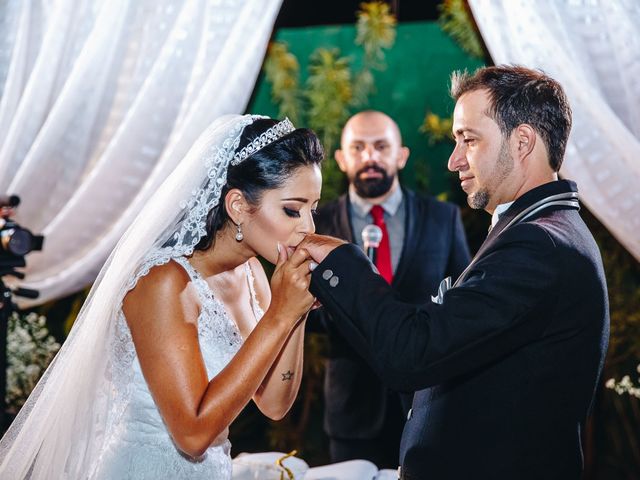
181,329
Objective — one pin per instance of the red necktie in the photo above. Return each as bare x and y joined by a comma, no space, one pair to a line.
383,254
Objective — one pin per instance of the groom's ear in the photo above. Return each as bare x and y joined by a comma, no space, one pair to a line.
236,205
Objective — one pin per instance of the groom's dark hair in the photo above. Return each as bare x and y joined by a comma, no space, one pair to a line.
520,95
266,169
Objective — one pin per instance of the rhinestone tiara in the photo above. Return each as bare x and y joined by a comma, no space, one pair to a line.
279,130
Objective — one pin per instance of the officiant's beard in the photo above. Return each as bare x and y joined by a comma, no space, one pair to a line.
373,187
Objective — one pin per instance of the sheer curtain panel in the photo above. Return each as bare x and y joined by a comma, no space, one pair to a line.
99,101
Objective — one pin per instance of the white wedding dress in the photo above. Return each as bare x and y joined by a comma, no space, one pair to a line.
138,445
91,415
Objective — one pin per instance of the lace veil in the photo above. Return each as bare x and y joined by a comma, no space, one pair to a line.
60,431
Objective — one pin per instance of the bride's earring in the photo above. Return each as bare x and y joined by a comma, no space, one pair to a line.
239,235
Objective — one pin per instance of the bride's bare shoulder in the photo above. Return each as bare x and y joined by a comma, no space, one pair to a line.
166,286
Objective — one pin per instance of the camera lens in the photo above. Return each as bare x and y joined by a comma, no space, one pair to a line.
16,241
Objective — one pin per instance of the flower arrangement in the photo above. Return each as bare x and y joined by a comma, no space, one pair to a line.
30,349
625,385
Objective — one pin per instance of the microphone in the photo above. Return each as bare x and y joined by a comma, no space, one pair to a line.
371,237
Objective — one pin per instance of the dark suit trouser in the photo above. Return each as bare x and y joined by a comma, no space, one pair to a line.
383,450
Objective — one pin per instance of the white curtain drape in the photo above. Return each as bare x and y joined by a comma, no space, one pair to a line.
99,101
593,48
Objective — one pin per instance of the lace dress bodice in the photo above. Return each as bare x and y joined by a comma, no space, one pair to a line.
138,444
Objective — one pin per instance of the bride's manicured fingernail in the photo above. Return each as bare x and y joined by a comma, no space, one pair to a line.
312,265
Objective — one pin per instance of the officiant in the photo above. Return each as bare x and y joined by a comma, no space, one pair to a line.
422,241
510,356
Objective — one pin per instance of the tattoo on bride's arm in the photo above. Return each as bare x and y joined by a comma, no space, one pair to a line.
288,375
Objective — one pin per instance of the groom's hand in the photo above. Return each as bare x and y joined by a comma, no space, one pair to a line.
319,246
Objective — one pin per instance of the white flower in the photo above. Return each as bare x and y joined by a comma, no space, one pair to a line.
625,385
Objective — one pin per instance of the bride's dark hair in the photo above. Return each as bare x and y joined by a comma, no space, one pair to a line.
266,169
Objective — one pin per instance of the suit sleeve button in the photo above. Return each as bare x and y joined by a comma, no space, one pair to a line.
327,274
334,281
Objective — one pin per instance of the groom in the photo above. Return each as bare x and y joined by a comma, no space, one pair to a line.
508,359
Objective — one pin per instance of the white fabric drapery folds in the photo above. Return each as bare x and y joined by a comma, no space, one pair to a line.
593,48
100,99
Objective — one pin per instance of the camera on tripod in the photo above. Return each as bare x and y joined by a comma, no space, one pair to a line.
15,243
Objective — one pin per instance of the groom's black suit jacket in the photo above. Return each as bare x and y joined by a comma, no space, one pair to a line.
509,361
434,247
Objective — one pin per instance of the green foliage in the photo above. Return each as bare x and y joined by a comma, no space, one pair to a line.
283,71
334,88
422,175
329,93
376,28
457,21
30,349
436,128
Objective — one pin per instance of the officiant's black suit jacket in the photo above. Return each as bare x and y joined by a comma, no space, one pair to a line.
435,246
509,361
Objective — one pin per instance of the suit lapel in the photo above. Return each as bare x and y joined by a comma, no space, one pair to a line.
412,223
344,226
521,204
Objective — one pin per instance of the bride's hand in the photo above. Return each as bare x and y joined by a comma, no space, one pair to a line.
290,297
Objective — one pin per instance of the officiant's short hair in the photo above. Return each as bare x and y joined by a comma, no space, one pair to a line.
521,95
